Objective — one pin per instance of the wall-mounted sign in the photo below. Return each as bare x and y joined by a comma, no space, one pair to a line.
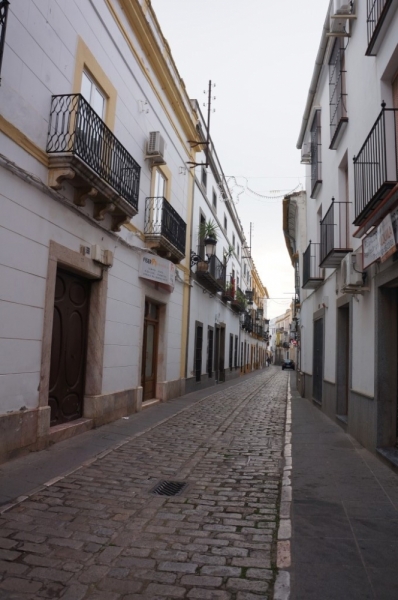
370,249
158,270
386,238
382,242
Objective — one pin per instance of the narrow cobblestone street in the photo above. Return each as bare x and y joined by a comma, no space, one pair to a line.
100,534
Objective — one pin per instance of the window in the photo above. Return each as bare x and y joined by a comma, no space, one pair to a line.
316,163
337,93
233,240
225,223
204,178
159,185
214,199
3,24
237,250
92,93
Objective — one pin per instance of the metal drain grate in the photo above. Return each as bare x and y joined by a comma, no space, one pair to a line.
169,488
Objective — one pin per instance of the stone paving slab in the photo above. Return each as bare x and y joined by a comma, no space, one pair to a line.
99,534
344,514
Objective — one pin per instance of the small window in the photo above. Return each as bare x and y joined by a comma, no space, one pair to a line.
316,160
204,178
214,199
225,223
92,93
237,250
233,240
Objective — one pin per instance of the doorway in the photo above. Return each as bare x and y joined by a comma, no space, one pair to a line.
68,347
343,360
150,350
318,360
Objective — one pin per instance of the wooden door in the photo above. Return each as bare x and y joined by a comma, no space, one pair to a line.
318,360
222,355
69,347
150,351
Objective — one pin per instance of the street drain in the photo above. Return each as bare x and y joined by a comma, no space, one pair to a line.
169,488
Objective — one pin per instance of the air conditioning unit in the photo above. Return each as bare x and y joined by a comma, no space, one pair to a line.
155,148
351,274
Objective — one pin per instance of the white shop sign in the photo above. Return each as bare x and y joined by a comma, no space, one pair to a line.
158,270
382,242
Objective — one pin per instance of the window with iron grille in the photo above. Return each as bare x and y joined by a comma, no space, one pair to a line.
316,157
337,92
214,199
376,16
4,4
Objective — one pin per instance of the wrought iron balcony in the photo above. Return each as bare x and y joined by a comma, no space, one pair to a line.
335,234
312,273
239,303
375,166
229,291
316,157
377,18
84,151
164,229
247,324
210,273
4,4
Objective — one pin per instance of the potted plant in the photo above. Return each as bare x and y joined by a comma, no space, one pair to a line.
208,238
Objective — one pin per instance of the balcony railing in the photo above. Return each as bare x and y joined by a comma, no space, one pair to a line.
164,229
229,289
4,4
312,273
335,234
375,166
377,11
337,93
239,303
75,128
316,158
211,273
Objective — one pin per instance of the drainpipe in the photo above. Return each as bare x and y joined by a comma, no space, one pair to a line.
315,76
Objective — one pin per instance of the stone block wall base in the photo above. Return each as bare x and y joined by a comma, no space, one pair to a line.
106,408
59,433
166,390
23,431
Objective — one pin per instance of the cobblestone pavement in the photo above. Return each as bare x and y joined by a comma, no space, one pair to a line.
100,534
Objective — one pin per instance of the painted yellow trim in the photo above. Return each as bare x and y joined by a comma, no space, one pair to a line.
135,229
23,141
149,46
85,60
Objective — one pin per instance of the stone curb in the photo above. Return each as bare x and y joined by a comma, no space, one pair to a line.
283,559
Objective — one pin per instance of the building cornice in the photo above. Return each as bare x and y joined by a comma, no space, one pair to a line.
139,16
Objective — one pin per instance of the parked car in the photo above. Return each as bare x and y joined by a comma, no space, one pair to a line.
287,364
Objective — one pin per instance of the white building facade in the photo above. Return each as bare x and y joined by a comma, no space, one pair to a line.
95,200
348,315
100,210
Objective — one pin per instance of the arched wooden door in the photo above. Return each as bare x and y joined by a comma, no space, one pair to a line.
69,347
150,350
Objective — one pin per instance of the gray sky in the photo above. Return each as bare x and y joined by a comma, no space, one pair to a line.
260,54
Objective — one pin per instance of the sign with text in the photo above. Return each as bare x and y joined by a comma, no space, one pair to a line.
386,238
370,249
158,270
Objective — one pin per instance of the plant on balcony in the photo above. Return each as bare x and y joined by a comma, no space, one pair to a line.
208,231
241,299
